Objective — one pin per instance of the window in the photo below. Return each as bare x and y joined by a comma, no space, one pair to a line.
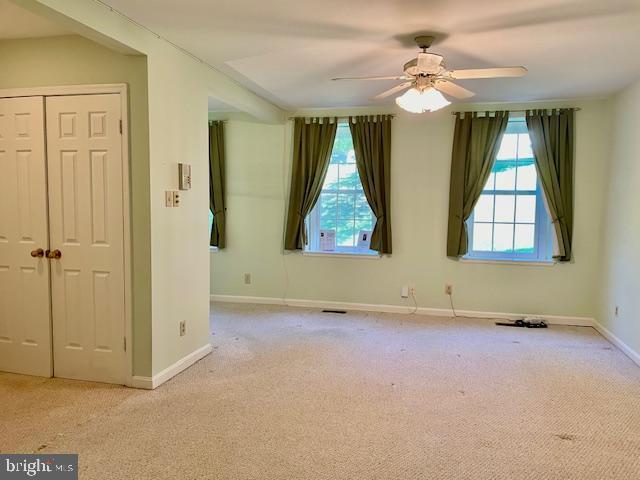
211,228
341,221
510,220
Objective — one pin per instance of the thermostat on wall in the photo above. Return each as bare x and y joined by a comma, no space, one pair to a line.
184,172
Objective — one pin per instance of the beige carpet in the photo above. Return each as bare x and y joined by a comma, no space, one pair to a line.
297,394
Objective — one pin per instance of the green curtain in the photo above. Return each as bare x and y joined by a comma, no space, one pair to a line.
312,144
551,136
217,184
476,141
372,144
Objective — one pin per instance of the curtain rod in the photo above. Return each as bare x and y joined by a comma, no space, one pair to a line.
342,117
575,109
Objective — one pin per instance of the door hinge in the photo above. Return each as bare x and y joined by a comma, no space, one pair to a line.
121,127
125,343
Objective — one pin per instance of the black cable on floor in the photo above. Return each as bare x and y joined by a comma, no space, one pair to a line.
452,307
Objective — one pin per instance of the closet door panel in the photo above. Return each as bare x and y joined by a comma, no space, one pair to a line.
25,321
86,208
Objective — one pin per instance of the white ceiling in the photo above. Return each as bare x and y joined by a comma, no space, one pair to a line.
16,22
288,50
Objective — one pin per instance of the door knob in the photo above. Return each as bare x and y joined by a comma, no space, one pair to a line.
53,254
37,253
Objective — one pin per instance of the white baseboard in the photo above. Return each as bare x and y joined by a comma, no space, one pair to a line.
145,383
149,383
369,307
606,333
244,299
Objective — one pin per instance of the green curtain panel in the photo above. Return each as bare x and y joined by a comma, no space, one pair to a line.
372,144
312,144
551,134
217,184
476,141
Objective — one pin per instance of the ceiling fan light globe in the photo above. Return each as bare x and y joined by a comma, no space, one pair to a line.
410,101
427,100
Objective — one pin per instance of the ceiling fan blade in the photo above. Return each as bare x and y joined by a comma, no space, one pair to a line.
488,73
391,91
394,77
454,90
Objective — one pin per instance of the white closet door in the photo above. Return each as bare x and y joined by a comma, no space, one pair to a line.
25,323
86,226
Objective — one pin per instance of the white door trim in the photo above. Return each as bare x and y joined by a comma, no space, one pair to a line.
123,91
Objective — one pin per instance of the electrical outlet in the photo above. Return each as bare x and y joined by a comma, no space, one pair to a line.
412,291
247,279
616,311
183,328
176,199
448,289
404,293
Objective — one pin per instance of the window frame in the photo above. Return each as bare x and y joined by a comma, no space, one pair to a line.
543,244
313,219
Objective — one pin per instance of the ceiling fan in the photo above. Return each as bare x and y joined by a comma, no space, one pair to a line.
426,77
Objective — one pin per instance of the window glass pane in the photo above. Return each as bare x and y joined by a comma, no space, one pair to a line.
527,176
526,209
508,147
505,206
524,146
328,223
505,175
327,211
346,206
483,211
491,182
524,238
364,224
503,237
346,235
331,180
349,179
343,147
482,233
363,210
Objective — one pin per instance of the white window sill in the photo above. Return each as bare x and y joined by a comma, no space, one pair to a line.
368,256
522,263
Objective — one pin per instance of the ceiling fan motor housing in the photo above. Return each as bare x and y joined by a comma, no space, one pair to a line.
424,64
424,41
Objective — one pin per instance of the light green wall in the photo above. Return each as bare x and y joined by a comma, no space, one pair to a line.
620,280
69,60
178,88
258,161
